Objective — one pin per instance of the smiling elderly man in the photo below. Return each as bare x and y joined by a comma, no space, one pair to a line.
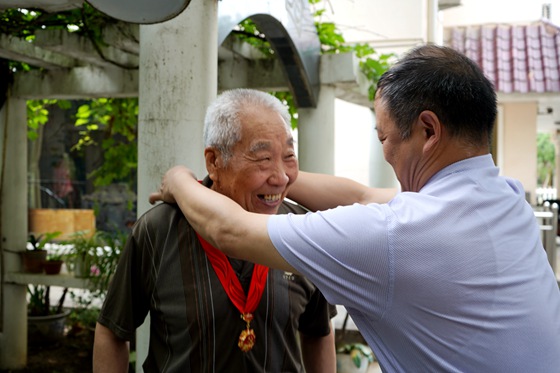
210,313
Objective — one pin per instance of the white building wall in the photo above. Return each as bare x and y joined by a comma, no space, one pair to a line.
499,11
390,27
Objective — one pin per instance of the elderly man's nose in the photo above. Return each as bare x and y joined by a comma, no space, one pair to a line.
279,176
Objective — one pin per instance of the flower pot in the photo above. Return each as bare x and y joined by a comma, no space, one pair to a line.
33,260
52,267
46,328
82,266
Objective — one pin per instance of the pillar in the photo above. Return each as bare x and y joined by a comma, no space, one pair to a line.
177,81
13,227
433,28
316,134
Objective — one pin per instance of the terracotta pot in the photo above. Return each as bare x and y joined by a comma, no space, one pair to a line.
33,260
52,267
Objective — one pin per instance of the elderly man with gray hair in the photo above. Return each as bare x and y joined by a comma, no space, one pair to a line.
209,312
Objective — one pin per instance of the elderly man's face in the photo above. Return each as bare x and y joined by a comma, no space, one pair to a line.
263,164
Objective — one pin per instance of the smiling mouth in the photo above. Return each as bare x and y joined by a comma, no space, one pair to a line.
270,198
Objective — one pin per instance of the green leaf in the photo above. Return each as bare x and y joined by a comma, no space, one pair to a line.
32,135
356,357
81,121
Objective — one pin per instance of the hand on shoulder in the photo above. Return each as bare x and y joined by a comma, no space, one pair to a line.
170,181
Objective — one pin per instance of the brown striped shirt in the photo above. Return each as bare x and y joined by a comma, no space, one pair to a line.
194,327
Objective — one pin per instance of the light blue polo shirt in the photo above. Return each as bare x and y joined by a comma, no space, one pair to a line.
453,278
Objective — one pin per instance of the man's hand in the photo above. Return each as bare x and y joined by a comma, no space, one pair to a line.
170,180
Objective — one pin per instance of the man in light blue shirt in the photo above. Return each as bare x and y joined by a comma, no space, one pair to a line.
449,275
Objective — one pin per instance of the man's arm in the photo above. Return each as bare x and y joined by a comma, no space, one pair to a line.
222,222
110,353
319,355
322,192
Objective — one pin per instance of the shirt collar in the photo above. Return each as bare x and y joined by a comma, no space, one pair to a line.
478,162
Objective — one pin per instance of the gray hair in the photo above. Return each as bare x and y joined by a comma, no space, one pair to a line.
222,126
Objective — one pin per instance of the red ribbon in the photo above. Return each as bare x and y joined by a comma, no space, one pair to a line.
244,303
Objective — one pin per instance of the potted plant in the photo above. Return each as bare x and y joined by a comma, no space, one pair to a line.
45,321
83,249
111,244
353,357
36,255
96,257
103,254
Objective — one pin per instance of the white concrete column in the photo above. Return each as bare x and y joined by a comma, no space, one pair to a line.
433,28
381,174
316,134
177,81
13,215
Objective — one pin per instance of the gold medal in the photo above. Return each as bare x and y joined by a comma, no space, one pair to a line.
247,336
246,340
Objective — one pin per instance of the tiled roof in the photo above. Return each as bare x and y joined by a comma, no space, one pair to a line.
516,58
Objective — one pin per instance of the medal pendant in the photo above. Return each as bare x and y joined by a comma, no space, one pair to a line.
246,340
247,336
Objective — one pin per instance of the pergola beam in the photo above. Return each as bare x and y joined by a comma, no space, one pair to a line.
266,75
338,70
17,49
123,36
83,49
51,6
78,83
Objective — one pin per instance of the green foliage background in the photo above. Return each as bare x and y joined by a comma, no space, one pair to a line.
546,160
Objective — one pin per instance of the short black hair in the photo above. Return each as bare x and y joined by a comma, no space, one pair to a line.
446,82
